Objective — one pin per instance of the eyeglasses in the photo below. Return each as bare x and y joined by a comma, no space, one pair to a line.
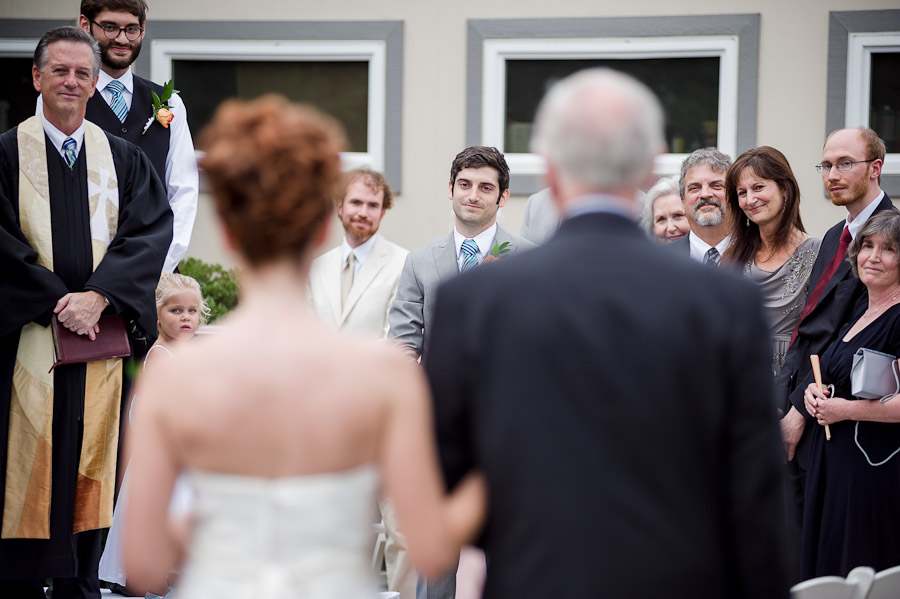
843,165
132,32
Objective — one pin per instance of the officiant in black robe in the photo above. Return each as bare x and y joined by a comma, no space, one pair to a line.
98,247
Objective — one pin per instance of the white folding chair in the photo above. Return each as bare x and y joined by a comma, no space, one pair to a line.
377,564
886,584
855,586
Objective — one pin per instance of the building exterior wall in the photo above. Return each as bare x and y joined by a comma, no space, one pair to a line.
791,102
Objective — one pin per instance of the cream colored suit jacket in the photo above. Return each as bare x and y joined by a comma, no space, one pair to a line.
372,292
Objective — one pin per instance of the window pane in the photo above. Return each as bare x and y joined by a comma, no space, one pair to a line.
18,99
885,95
687,87
340,89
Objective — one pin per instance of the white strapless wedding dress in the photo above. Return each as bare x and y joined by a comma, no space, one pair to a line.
304,536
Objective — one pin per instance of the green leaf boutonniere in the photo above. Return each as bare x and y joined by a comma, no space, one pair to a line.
162,112
497,251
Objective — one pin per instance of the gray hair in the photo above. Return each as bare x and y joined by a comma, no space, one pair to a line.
663,187
66,34
600,128
711,157
885,224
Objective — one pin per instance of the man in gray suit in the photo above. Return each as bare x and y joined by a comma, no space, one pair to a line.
541,218
479,187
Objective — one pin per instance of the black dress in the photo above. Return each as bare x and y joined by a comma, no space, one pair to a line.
851,511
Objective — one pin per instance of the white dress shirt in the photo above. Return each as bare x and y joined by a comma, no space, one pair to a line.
700,247
483,240
856,224
182,180
361,252
57,137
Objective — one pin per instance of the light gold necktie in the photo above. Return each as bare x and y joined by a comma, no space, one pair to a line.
347,278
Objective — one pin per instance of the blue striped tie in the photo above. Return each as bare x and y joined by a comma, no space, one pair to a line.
470,250
69,150
117,102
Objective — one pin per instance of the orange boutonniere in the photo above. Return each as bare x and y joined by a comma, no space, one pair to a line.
162,112
496,251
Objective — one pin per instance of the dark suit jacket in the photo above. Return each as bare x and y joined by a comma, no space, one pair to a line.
821,326
616,397
682,246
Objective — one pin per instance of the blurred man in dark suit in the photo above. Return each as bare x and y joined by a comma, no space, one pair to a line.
615,395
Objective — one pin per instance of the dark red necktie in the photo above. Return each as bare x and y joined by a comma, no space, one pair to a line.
817,291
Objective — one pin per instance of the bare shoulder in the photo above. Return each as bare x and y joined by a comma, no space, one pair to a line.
173,375
390,373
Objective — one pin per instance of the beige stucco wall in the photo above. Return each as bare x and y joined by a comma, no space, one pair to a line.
791,103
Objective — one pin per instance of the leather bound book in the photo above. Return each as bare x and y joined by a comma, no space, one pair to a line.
72,348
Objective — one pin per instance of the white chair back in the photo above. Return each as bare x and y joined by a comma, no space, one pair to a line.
855,586
886,584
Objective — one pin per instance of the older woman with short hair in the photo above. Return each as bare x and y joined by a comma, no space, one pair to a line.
850,513
663,216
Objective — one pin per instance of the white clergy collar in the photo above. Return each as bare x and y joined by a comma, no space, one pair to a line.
57,137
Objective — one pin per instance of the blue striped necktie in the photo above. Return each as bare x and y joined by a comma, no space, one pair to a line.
69,151
469,249
117,102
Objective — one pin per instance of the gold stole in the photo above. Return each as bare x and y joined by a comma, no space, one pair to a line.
26,513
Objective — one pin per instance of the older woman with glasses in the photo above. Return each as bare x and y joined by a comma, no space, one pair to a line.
850,513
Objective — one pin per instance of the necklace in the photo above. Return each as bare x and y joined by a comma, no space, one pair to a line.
877,308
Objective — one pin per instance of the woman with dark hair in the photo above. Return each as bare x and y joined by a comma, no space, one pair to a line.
769,243
285,427
850,515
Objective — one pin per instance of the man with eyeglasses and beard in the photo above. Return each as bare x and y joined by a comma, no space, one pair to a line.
123,106
851,165
703,194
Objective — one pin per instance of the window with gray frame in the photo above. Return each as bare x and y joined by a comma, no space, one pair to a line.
339,84
863,82
512,62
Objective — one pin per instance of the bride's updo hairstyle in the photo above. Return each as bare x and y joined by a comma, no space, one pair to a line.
272,167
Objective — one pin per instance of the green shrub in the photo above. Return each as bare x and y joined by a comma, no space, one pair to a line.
219,286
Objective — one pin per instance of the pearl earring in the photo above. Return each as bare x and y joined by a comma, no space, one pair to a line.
748,221
784,205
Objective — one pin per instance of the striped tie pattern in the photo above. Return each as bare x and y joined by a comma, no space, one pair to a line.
469,249
712,257
69,151
117,102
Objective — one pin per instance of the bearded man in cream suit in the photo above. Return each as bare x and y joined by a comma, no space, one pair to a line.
352,286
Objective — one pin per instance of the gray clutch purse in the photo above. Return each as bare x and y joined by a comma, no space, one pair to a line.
874,375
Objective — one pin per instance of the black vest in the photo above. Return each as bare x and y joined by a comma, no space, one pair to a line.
154,143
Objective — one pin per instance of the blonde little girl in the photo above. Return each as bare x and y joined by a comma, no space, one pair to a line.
180,309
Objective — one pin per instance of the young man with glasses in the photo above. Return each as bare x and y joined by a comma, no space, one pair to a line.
123,106
851,171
